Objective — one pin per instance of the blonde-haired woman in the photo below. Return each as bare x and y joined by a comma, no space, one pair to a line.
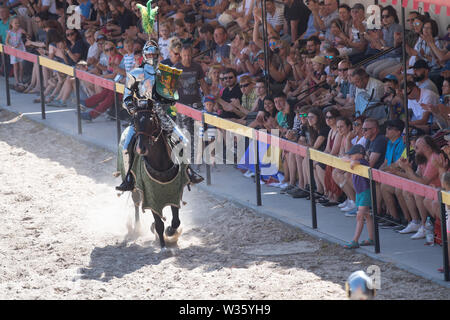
213,79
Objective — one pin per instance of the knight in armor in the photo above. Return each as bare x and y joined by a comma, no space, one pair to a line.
144,90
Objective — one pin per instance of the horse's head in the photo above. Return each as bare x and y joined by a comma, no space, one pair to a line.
148,130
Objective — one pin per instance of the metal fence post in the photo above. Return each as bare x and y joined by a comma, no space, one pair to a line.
312,187
257,169
117,106
208,167
77,91
41,89
373,192
6,73
444,238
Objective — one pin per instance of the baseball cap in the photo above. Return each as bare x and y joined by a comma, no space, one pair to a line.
397,123
390,77
420,64
209,98
357,149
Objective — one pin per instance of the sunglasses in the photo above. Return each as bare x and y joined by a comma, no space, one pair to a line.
329,57
417,23
119,47
68,34
108,49
356,124
303,115
272,43
366,129
228,78
244,85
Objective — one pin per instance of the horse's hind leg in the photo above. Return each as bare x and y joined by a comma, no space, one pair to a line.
170,230
159,227
136,199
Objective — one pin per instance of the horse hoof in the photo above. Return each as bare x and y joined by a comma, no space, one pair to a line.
170,231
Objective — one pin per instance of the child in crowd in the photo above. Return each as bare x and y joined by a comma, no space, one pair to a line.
363,199
14,39
210,107
164,40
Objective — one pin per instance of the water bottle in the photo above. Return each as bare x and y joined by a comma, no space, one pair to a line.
429,231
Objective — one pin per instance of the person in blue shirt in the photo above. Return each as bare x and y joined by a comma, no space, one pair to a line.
394,151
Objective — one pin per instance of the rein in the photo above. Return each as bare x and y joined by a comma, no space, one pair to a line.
153,138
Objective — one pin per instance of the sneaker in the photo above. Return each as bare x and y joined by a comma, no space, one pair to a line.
249,174
420,234
410,228
350,206
286,188
343,204
351,213
86,116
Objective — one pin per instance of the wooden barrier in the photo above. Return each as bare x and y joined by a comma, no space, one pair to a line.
60,67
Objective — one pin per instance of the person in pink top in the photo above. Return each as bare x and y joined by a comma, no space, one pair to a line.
427,153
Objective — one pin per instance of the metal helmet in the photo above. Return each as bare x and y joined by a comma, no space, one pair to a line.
359,286
150,53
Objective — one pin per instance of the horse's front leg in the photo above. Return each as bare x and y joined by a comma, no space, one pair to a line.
170,230
159,227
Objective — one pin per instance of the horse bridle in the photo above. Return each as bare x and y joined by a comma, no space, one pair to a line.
151,137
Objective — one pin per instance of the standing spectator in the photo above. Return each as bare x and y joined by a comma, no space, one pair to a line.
14,39
123,17
296,15
164,40
275,18
376,143
363,200
190,83
222,48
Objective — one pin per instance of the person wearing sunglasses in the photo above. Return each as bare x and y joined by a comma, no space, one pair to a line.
75,49
390,37
231,91
174,52
417,99
247,104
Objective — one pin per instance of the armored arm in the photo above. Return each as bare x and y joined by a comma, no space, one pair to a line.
134,77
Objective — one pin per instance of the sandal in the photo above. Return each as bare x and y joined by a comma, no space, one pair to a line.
351,245
368,242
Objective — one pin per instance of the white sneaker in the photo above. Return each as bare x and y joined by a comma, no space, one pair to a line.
350,206
283,185
249,174
411,227
343,204
420,234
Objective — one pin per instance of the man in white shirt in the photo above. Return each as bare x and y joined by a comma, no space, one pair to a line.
421,70
417,97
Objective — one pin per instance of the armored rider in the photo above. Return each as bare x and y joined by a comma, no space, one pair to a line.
140,93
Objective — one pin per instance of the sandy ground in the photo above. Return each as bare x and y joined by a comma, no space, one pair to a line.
66,235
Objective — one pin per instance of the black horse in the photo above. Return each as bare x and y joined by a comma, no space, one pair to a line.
153,149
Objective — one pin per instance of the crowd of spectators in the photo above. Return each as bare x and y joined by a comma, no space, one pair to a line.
322,83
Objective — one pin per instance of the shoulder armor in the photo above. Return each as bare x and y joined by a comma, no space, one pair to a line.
135,75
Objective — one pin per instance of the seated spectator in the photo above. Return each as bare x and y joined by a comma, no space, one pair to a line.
392,99
427,153
421,70
343,100
376,143
390,37
355,36
322,21
275,18
394,151
181,33
247,105
231,91
416,98
440,110
123,18
222,48
206,42
104,100
174,52
368,89
164,40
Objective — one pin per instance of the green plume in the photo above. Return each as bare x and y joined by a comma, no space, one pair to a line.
148,16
